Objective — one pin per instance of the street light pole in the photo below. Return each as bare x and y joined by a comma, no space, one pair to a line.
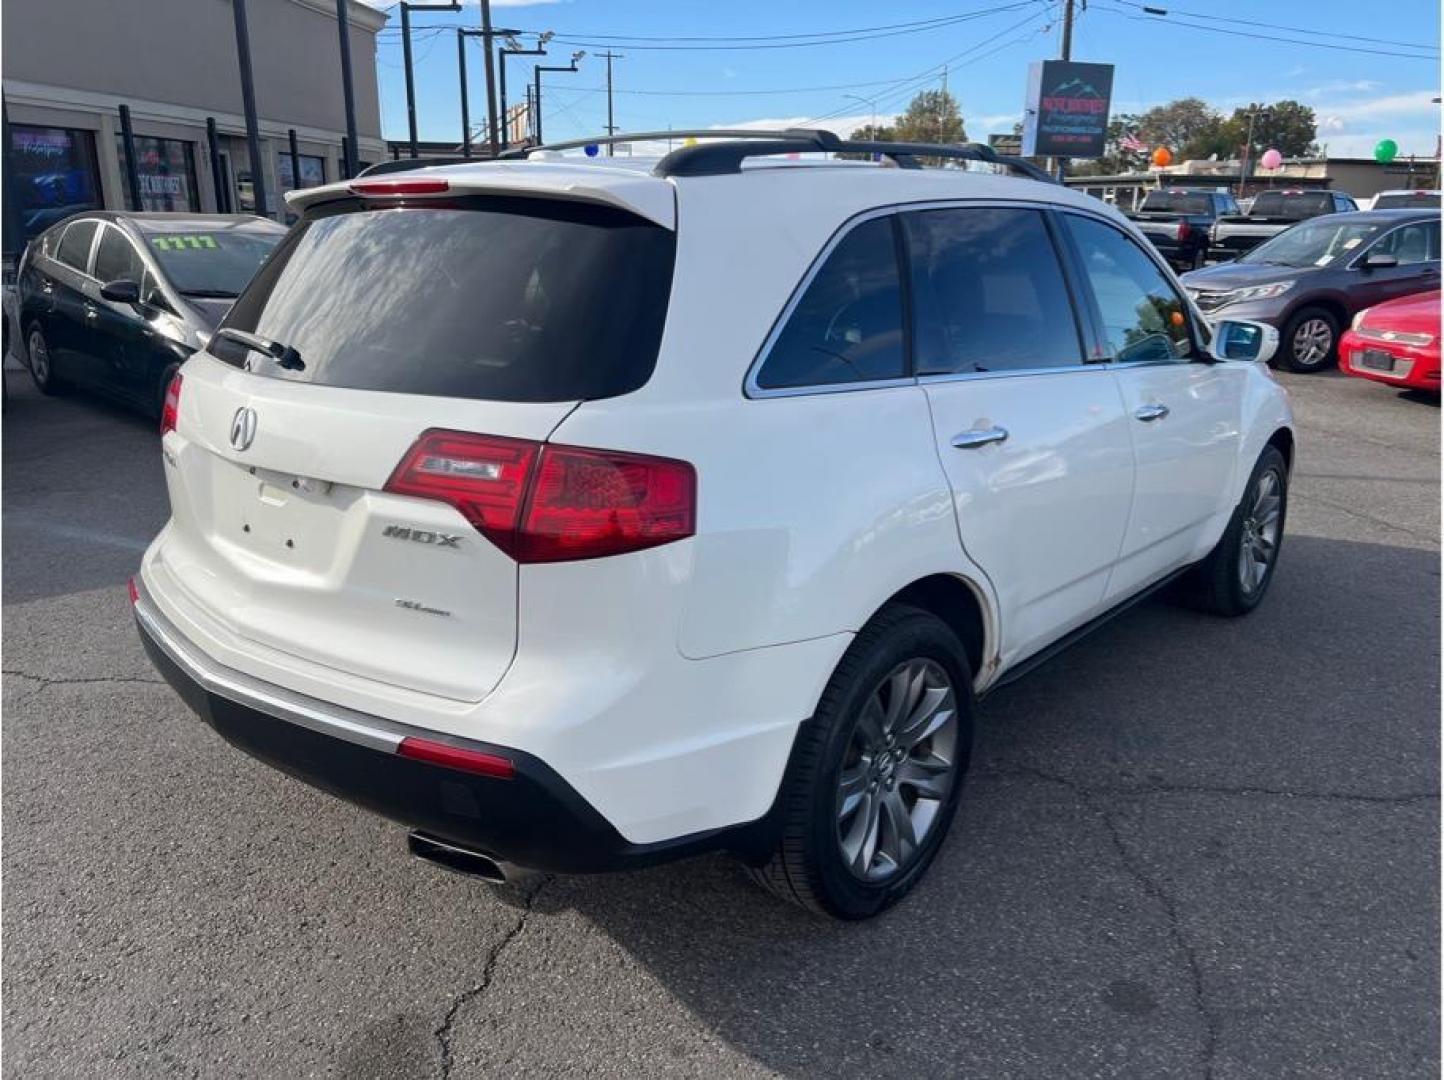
343,25
536,89
406,9
502,54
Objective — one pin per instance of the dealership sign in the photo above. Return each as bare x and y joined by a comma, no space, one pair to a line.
1066,114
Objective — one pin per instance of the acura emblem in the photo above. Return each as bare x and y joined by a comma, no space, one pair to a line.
243,427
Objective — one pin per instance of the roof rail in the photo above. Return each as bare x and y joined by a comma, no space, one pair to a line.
738,144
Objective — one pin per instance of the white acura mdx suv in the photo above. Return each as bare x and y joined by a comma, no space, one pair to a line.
582,514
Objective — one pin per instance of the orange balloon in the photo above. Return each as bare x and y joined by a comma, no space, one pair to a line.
1162,156
1176,318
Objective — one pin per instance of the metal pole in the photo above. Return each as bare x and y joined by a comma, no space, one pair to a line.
410,81
536,103
501,80
490,76
213,140
465,108
295,159
13,239
343,27
132,167
346,173
1247,155
248,103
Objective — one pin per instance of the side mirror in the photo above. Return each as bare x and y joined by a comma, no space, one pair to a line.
1236,339
1379,261
120,292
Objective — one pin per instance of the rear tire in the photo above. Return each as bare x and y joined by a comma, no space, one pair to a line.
1234,577
41,362
876,774
1309,341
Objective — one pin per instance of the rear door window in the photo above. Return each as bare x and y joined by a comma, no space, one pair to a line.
847,327
988,292
487,297
75,245
116,259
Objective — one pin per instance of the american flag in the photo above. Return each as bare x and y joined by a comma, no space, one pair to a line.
1133,143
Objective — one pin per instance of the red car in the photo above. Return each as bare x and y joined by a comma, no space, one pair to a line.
1396,343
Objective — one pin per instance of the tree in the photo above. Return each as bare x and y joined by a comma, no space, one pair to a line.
1286,126
1179,124
932,117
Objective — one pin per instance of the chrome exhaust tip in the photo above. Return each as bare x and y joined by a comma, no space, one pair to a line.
457,859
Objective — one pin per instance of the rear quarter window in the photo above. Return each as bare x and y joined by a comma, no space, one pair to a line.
74,249
486,297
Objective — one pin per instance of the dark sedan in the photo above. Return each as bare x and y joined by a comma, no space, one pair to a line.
1311,279
115,302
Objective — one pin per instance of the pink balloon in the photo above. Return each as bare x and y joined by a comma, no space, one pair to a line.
1271,159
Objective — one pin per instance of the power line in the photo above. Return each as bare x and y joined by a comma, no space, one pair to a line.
596,41
1273,26
1266,37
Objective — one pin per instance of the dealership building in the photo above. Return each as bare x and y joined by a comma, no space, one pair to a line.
69,66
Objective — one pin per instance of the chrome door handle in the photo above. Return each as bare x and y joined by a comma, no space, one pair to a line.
91,313
1151,412
967,440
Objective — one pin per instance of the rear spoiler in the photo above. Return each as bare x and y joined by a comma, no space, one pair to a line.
634,192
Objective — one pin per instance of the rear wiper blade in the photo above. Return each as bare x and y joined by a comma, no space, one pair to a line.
283,355
209,294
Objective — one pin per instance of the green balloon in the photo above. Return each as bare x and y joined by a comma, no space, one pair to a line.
1386,151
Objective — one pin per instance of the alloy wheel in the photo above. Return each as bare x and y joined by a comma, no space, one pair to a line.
39,358
1313,340
1259,539
900,767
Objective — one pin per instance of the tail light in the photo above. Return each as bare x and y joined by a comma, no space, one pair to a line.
385,188
134,592
170,407
1183,231
540,502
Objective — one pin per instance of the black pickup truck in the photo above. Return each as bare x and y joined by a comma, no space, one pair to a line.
1271,213
1177,221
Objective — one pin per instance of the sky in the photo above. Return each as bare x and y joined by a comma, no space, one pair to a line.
870,62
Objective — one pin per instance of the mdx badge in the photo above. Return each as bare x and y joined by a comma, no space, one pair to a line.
422,536
243,427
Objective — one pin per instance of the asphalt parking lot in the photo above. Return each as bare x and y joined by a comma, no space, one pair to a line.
1189,846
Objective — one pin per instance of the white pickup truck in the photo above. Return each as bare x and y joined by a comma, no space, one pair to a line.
1271,213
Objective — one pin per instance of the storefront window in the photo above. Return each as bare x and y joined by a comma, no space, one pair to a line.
313,171
167,169
54,175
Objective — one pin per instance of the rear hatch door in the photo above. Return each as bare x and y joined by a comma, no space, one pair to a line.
476,313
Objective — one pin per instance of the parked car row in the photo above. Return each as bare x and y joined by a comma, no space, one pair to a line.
1178,222
1311,280
115,302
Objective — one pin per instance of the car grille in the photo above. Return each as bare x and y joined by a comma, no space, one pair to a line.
1397,337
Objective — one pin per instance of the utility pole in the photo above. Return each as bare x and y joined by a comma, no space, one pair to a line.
1247,162
343,25
536,88
611,127
406,9
248,104
486,36
1067,55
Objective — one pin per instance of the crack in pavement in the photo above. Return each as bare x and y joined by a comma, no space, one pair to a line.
1028,772
1433,541
443,1033
46,683
1089,797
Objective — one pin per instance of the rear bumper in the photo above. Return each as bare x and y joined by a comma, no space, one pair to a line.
533,819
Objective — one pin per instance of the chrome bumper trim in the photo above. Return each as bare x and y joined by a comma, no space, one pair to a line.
307,712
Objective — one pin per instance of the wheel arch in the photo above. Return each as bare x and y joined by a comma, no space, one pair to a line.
960,603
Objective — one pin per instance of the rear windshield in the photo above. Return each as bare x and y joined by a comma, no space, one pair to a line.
214,263
506,299
1296,207
1177,202
1407,200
